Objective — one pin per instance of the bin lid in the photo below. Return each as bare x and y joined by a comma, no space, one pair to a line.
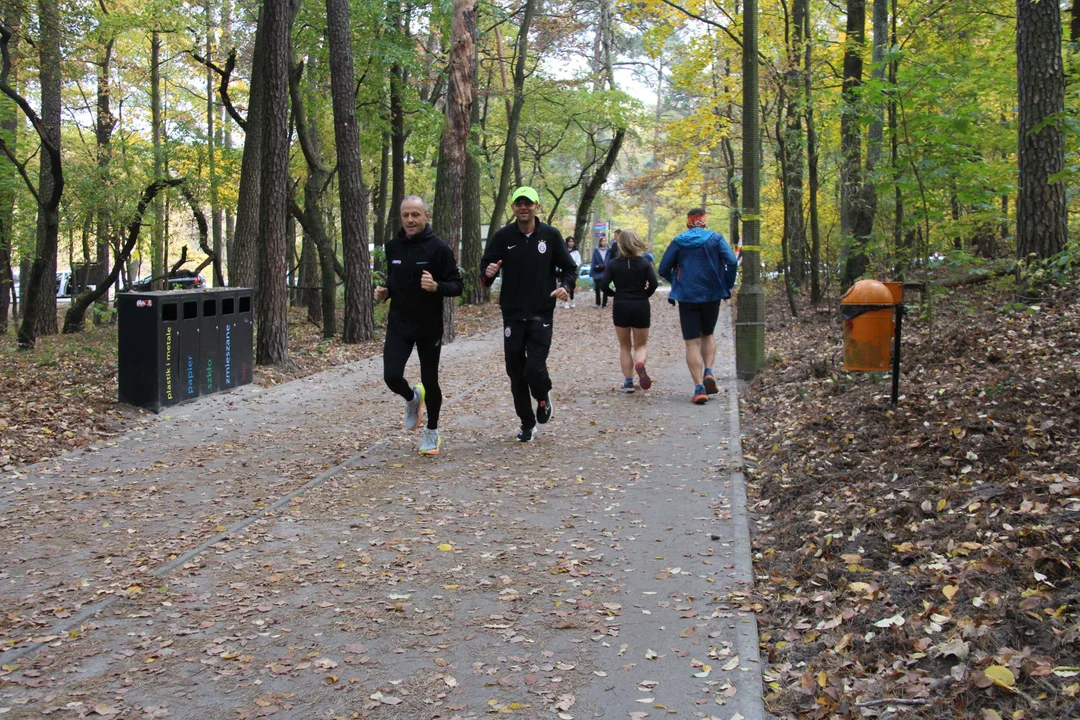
868,292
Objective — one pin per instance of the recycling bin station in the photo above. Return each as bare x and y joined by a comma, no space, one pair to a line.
872,313
174,346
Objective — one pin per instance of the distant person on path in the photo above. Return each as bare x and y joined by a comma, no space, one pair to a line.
634,278
420,272
528,252
701,268
596,272
571,246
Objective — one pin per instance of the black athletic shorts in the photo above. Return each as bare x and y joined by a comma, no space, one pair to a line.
698,319
631,313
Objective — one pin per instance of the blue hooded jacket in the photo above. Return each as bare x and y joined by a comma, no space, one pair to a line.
700,266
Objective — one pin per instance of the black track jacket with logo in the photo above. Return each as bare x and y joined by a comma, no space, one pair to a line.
528,269
414,312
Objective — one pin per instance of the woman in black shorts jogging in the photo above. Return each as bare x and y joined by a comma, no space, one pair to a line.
635,281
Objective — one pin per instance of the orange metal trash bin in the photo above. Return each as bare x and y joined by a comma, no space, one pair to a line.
867,312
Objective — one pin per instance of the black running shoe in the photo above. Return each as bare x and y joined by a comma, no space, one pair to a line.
543,409
526,434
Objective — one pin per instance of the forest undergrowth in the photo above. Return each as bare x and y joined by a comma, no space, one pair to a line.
61,396
921,561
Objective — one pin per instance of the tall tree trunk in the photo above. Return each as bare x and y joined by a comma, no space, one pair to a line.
727,149
211,151
1041,210
272,307
851,133
39,306
894,148
399,79
461,71
225,128
596,182
244,261
814,182
503,189
379,236
103,131
309,275
866,206
359,305
504,88
794,143
313,219
471,241
785,255
658,114
158,252
9,132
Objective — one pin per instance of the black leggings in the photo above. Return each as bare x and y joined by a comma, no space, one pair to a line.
601,296
396,352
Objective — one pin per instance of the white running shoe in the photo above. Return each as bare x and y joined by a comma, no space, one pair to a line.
432,441
414,409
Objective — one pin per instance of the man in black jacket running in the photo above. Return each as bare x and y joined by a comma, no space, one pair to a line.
420,272
528,252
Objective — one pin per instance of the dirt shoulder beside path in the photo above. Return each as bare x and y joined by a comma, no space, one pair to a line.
576,574
921,560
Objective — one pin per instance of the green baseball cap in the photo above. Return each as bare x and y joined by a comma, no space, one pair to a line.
525,192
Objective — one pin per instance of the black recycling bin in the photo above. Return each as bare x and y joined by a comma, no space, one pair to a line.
174,346
189,348
242,350
209,358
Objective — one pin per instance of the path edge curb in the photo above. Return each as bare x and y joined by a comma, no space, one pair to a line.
747,634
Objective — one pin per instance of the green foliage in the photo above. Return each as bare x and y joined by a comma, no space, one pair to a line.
1042,275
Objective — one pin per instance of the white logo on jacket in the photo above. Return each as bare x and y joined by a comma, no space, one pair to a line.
542,247
507,332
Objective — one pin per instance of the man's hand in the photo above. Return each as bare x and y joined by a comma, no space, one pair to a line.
428,283
561,294
381,294
493,269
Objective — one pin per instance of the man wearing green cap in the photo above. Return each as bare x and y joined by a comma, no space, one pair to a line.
528,252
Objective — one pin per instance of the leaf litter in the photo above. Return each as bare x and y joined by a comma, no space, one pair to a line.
921,558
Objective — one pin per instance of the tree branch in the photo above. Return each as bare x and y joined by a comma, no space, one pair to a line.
223,87
21,167
73,320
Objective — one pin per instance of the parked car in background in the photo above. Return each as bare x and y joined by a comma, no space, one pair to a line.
584,277
180,280
65,284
